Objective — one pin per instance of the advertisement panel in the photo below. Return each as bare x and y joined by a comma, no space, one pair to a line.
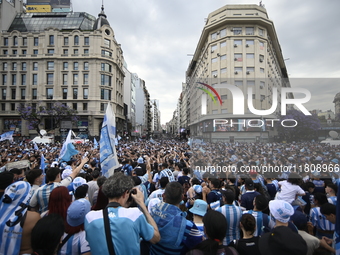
38,8
53,3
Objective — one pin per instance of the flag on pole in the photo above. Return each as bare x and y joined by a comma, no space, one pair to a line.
95,143
68,149
7,136
108,156
42,167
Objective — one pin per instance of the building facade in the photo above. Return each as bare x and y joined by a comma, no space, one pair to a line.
130,101
238,50
143,110
72,58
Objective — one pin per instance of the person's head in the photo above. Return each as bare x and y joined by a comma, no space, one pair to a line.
294,178
46,234
173,193
81,191
53,174
308,186
329,210
215,225
261,202
214,183
163,182
249,184
59,201
35,176
95,174
165,165
228,196
331,189
320,199
248,223
18,173
76,214
281,211
101,180
118,185
6,179
185,171
300,220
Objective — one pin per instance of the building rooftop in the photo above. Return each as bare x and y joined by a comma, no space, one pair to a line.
31,22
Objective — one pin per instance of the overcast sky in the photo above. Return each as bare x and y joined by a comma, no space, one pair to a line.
157,36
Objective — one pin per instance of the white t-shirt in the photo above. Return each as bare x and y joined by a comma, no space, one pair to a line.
288,191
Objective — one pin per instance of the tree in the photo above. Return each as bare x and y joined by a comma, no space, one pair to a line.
306,128
35,114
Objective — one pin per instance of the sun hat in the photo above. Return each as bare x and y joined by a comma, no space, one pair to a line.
76,212
200,207
281,210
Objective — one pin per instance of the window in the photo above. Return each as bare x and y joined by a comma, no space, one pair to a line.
4,66
84,106
15,52
23,66
74,106
65,78
238,83
35,79
262,84
75,93
49,106
65,51
213,36
105,80
249,31
35,41
249,42
34,94
106,53
24,52
50,65
65,65
86,79
50,78
250,55
238,56
4,79
5,41
261,45
65,40
23,79
223,70
253,96
103,107
261,58
224,97
24,41
261,70
75,66
15,41
86,51
12,106
14,66
250,69
86,93
223,32
64,93
213,47
250,83
214,111
105,94
107,43
213,60
261,32
237,42
13,93
23,93
3,107
50,51
14,79
3,94
86,40
224,110
5,52
75,79
49,93
35,52
223,57
76,40
51,40
86,66
106,67
75,51
223,44
238,69
35,66
214,73
262,97
237,30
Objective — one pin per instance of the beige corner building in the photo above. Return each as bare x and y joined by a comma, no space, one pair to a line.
238,47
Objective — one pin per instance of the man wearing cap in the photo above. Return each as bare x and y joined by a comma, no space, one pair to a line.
41,196
199,209
247,199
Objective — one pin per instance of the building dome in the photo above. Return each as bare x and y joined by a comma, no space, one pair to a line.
101,20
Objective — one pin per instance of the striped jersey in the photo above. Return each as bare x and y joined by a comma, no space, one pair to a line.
233,216
332,200
167,173
319,220
75,245
262,221
42,195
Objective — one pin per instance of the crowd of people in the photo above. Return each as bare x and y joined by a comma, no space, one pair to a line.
170,197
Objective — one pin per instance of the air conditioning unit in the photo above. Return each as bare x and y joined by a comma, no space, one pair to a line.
247,45
261,60
218,32
235,59
248,72
235,45
218,55
261,87
212,51
215,75
236,72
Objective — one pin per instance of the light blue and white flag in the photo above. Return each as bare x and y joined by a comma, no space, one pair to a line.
68,149
35,146
7,136
152,141
108,156
42,167
95,143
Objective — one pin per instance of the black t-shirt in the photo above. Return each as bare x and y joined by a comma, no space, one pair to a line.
247,246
